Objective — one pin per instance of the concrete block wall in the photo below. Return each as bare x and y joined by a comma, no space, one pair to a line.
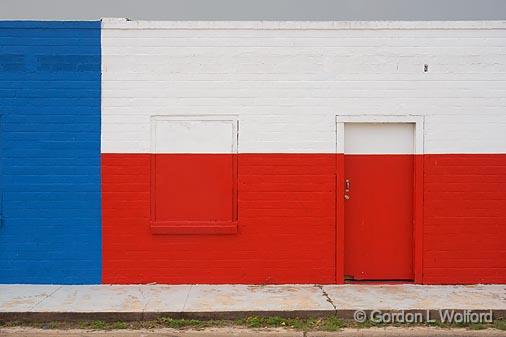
49,149
286,82
281,77
78,101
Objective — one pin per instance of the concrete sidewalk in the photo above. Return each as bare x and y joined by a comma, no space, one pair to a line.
138,302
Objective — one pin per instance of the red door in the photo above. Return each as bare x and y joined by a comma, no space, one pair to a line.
379,179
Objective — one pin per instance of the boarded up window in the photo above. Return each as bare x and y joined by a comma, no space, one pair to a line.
194,175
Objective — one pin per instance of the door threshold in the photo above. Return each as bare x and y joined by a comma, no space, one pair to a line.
379,282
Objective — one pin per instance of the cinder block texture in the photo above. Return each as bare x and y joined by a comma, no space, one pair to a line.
286,82
50,146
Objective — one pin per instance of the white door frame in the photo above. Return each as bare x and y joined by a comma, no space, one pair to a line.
418,121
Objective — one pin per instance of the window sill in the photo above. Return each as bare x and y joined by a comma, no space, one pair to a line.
194,227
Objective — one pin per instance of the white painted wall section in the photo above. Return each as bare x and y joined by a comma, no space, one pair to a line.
287,81
197,135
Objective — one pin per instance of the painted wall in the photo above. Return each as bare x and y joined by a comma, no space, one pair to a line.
79,204
286,82
49,148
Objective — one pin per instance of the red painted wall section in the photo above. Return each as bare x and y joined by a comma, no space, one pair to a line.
464,219
286,230
287,223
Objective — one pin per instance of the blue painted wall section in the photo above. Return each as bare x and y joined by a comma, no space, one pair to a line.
50,152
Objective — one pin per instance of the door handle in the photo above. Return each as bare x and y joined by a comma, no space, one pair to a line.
347,189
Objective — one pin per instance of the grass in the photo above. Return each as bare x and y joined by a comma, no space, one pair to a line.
500,324
305,324
330,323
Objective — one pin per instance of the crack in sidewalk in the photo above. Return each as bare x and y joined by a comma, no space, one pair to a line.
327,297
45,298
145,299
186,299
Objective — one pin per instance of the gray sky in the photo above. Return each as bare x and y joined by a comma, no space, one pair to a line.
255,9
